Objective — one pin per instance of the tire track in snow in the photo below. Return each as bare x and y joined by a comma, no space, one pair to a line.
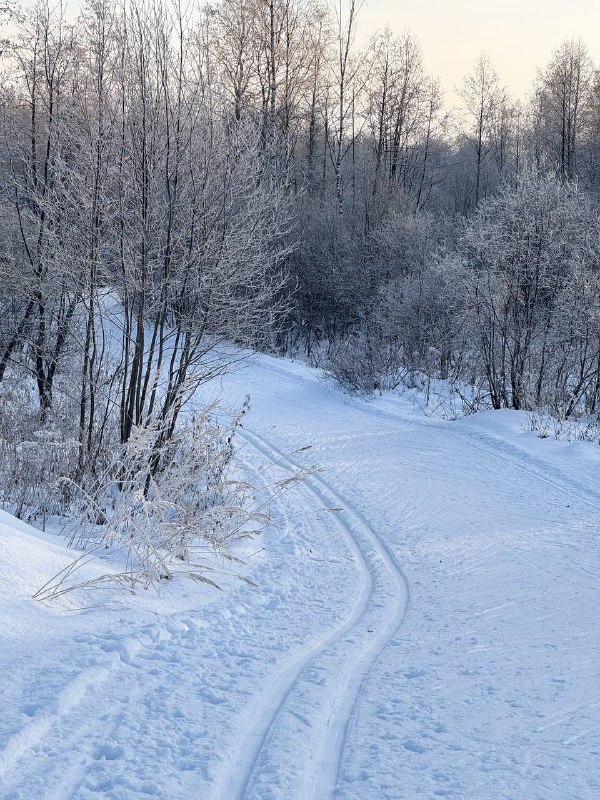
355,643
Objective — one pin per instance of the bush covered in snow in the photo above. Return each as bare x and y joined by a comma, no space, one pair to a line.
169,504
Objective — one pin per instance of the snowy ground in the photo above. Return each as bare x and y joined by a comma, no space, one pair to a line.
425,624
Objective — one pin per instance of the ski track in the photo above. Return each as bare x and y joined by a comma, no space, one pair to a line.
71,696
270,719
495,449
137,708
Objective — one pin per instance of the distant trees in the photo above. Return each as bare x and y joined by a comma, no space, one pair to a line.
564,103
526,249
511,304
490,134
404,108
378,290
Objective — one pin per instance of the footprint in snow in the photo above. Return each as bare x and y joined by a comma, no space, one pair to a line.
415,747
415,673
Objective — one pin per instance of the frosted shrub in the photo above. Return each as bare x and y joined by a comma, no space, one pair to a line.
548,425
170,504
32,472
366,364
33,460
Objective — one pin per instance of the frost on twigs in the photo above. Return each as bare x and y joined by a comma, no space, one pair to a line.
549,425
33,456
168,505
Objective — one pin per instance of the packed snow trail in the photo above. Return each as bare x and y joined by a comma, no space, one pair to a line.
322,681
308,716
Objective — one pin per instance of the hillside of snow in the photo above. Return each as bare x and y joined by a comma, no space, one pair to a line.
424,624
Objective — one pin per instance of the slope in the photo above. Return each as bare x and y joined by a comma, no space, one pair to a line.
424,624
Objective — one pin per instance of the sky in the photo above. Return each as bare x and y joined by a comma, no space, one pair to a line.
518,35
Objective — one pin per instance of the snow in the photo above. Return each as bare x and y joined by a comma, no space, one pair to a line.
424,624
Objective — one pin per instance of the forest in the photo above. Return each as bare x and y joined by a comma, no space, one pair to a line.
179,183
299,400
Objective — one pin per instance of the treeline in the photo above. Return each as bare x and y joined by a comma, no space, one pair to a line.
173,179
143,230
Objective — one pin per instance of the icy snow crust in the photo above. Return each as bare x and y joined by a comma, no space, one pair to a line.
425,624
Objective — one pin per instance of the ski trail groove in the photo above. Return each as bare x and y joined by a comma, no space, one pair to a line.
374,620
259,719
339,721
69,698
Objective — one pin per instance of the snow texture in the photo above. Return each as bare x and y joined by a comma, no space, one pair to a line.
425,624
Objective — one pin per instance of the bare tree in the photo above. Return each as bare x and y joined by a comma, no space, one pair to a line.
563,105
482,96
345,85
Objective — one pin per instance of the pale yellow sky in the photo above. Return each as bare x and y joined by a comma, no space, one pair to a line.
518,35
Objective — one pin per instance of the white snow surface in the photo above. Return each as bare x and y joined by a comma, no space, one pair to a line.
425,623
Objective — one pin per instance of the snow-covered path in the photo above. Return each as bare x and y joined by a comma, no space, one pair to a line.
425,624
308,708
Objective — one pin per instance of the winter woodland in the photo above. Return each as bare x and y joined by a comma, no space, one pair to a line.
297,355
179,182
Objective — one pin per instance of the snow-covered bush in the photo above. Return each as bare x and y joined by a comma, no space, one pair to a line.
532,256
170,504
416,324
34,456
548,425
